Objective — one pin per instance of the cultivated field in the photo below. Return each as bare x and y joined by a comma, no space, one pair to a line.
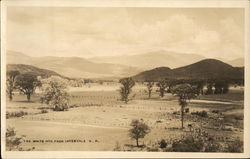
98,121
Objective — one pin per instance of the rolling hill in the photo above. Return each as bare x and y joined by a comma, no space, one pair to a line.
22,68
152,60
73,67
205,69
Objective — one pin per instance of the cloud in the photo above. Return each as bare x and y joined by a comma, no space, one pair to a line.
114,31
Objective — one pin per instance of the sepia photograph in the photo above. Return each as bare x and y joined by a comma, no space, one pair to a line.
124,79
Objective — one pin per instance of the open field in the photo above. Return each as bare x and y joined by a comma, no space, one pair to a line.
98,119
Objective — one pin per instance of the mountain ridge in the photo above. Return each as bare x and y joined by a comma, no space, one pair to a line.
204,69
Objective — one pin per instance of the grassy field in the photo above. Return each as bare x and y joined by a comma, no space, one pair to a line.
98,120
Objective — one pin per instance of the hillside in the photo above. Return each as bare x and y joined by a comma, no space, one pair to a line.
73,67
205,69
28,68
152,60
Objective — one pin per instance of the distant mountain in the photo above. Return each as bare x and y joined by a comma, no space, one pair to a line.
239,62
151,60
28,68
205,69
73,67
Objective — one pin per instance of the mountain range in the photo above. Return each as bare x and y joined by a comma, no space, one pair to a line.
204,69
152,59
159,63
74,67
22,68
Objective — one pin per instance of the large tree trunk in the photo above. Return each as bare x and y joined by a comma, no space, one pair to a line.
137,142
28,97
10,96
182,116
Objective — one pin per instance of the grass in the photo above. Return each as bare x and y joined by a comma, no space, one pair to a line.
100,115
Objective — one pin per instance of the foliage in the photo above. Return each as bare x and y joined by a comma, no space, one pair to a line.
163,144
139,130
200,113
43,111
12,142
126,88
149,85
15,114
55,93
162,87
184,92
188,144
235,146
27,84
10,82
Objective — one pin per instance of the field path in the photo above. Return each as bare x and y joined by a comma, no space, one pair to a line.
72,124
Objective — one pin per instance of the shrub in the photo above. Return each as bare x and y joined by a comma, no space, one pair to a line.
235,146
188,144
163,144
15,114
55,93
200,113
215,111
43,111
12,142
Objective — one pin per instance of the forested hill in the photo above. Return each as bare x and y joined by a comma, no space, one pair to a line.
204,69
35,70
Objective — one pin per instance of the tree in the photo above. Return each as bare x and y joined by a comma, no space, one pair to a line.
11,79
184,92
126,88
54,93
138,130
149,85
162,86
27,84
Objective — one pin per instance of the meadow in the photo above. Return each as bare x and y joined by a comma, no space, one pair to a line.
98,121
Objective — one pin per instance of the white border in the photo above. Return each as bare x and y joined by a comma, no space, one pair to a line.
127,3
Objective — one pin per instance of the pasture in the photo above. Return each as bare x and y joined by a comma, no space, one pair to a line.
98,121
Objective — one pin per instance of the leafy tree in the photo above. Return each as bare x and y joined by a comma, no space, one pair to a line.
162,86
210,85
184,92
27,84
11,79
149,85
55,93
138,130
126,88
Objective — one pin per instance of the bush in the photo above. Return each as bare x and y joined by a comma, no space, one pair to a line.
188,144
15,114
163,144
200,113
43,111
215,111
12,142
54,93
235,146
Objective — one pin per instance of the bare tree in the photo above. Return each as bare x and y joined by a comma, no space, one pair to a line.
149,85
11,79
184,92
162,87
126,88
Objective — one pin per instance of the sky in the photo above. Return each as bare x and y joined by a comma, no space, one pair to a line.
106,31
